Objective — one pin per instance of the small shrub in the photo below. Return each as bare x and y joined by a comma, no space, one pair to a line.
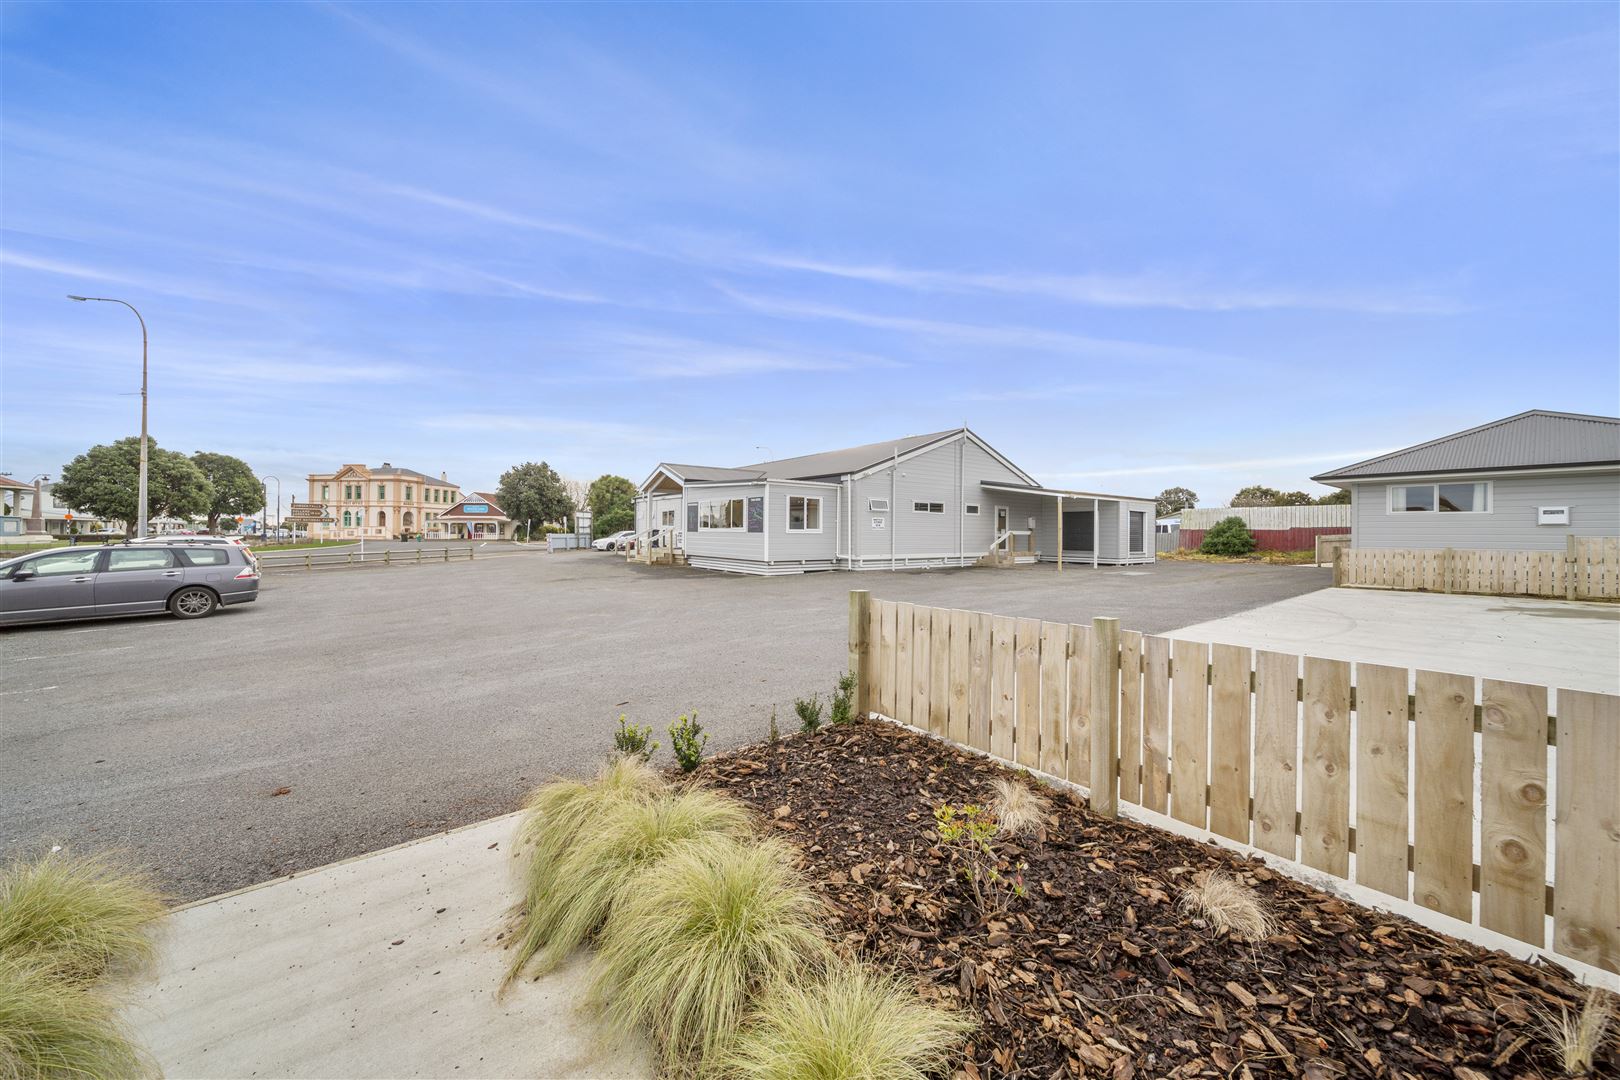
842,710
1577,1037
557,817
687,739
850,1023
79,918
632,741
53,1027
1228,905
773,736
1019,810
703,931
599,866
967,831
1228,536
809,710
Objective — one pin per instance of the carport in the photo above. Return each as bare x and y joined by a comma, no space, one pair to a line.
1089,527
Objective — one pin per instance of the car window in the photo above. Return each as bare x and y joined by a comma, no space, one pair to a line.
139,559
207,556
62,562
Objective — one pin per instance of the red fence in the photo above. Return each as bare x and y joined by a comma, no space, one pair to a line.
1269,539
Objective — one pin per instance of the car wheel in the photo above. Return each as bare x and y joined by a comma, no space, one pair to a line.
193,603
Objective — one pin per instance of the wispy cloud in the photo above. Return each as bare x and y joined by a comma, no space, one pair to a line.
1127,291
148,282
1339,456
572,428
678,357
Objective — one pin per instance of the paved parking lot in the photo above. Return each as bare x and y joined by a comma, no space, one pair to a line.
394,702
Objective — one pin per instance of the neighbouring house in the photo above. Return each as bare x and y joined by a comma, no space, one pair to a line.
1523,483
1275,528
477,517
379,503
944,499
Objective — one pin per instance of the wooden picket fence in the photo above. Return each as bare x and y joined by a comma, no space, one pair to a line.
1362,771
1587,569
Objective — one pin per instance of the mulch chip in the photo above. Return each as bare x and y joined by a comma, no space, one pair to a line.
1096,972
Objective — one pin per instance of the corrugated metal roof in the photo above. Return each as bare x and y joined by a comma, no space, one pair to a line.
1066,493
850,460
711,472
1537,439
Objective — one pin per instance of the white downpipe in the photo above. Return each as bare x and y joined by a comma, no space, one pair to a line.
767,523
1096,530
961,497
894,506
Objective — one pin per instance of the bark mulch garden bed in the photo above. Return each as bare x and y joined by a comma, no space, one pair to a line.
1097,972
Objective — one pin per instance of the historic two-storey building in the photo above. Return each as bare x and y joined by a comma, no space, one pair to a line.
381,503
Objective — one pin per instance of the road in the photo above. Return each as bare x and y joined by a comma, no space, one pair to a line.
348,710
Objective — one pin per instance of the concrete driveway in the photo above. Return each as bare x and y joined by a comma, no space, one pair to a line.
1553,643
348,710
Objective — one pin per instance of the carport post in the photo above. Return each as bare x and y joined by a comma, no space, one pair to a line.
860,649
1105,716
1060,533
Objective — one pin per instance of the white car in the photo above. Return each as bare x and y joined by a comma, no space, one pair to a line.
236,541
614,541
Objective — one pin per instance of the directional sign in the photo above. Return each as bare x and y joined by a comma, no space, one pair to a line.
308,512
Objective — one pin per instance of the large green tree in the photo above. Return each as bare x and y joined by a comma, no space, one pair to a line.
1173,500
534,492
236,489
104,482
612,500
1340,497
1259,495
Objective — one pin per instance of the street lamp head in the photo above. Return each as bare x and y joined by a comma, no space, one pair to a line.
81,299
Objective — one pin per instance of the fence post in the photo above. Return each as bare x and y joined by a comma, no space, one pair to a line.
418,555
860,648
1445,570
1338,567
387,556
1571,554
1105,716
307,564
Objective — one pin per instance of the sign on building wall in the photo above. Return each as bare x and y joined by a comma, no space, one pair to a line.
475,508
756,515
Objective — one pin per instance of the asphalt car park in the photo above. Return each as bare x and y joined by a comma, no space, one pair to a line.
352,709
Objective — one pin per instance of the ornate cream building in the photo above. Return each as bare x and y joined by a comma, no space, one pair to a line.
381,503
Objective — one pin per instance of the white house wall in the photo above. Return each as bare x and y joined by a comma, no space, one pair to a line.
1593,499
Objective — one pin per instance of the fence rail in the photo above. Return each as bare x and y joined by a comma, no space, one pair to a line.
321,560
1587,569
1363,771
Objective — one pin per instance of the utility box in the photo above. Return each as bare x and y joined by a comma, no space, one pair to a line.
1552,515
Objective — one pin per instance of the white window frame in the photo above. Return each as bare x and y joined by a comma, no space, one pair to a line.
742,526
927,507
807,500
666,519
1435,486
878,505
971,509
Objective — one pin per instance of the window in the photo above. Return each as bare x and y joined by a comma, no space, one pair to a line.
928,508
804,513
407,493
1138,532
721,514
207,556
65,562
346,521
878,504
971,509
667,518
139,559
382,491
325,490
1464,498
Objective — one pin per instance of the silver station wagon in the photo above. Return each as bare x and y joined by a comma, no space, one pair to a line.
191,581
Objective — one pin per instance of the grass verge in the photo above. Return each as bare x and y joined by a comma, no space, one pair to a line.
79,918
50,1027
1287,558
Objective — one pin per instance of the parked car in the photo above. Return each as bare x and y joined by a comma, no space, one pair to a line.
190,538
188,580
614,541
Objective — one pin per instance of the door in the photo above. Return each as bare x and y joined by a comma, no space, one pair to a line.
136,580
57,585
1078,526
1002,523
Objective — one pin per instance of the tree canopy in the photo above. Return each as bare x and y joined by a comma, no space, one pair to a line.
534,492
612,500
1259,495
235,489
104,482
1175,499
1339,497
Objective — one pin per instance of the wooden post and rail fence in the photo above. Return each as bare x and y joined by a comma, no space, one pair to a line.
1587,569
1362,771
321,560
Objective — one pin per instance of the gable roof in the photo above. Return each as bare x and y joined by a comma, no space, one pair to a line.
848,460
1535,439
456,513
384,471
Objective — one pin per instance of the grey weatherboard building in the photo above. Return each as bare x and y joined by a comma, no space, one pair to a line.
943,499
1523,483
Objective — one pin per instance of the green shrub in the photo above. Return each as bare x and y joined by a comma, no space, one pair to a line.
843,699
598,867
809,711
850,1024
557,816
701,934
773,736
687,739
80,918
632,741
53,1027
1228,536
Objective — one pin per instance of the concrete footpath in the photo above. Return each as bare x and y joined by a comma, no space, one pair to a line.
384,965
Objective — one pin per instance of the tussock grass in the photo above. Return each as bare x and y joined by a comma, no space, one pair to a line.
51,1027
852,1024
78,918
702,932
1227,904
1576,1037
556,816
624,837
1019,810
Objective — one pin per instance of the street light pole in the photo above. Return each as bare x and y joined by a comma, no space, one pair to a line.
266,487
140,528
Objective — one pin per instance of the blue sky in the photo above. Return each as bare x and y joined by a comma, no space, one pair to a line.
1132,246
